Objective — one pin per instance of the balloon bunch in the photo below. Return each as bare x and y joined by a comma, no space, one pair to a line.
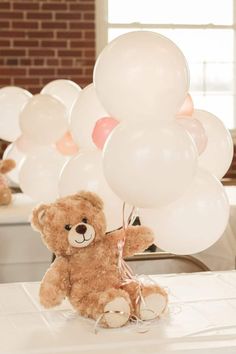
132,136
54,136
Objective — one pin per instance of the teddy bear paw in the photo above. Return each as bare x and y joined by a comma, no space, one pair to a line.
117,312
152,306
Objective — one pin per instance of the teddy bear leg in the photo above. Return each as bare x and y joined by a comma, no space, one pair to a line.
149,301
153,302
111,308
5,196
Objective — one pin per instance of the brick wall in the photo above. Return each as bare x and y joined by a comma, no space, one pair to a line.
41,40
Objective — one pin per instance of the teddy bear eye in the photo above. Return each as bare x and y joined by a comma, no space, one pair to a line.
68,227
85,220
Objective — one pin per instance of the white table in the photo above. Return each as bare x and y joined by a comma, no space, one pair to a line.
201,319
23,256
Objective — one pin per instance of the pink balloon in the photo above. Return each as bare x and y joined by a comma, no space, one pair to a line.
25,145
66,145
102,130
196,130
187,107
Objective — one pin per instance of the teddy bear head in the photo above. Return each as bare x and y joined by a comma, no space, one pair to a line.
71,223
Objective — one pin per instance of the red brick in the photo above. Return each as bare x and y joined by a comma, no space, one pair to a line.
12,71
39,15
54,44
46,80
12,61
25,62
88,72
56,25
24,24
40,34
13,52
41,71
41,52
54,6
82,7
69,53
5,80
69,71
4,24
53,62
69,34
38,62
89,34
68,16
89,16
25,43
5,5
12,34
26,80
11,15
26,6
82,25
89,53
82,44
4,43
66,62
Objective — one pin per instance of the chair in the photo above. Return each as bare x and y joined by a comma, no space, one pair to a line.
164,262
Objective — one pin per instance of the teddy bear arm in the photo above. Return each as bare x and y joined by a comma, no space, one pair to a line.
55,284
137,239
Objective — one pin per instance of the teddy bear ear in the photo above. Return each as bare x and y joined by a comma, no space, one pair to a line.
92,198
38,215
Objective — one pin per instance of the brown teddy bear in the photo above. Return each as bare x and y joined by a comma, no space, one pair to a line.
5,192
87,268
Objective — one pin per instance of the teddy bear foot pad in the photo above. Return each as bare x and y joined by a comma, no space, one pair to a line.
117,312
152,307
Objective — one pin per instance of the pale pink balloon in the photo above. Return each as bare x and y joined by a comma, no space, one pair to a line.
196,130
187,107
66,145
102,130
25,145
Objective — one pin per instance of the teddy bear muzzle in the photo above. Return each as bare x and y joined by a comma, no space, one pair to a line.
81,235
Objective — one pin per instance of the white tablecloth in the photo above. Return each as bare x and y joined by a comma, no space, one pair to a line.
201,319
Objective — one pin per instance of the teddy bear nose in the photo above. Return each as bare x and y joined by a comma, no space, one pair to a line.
81,229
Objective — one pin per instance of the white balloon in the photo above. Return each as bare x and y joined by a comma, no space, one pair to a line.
12,101
65,91
39,174
219,151
44,119
84,172
12,152
85,112
193,222
149,164
141,75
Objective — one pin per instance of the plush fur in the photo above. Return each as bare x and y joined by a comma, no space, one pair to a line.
5,192
86,266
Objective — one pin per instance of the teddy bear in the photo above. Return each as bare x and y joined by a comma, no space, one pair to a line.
87,268
5,192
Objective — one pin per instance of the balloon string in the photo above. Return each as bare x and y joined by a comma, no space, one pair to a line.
128,277
129,220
